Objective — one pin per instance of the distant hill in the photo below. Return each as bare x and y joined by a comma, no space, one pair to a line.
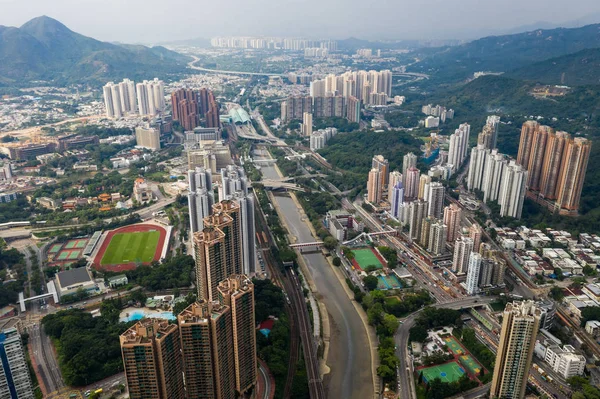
45,49
581,68
353,44
505,53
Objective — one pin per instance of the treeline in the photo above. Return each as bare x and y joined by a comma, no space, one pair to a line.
88,347
174,272
14,260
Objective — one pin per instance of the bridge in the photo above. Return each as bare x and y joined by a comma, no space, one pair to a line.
51,293
275,185
307,244
264,161
287,179
370,236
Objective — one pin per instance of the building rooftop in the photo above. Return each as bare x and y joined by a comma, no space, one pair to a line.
74,276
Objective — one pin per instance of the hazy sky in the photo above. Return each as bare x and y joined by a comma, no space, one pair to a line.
151,21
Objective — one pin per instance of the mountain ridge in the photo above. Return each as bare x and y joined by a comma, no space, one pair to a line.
45,49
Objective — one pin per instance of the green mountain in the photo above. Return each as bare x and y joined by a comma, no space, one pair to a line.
45,49
581,68
505,53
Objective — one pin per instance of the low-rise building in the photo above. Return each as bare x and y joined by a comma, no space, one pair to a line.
565,361
70,281
592,327
49,203
117,281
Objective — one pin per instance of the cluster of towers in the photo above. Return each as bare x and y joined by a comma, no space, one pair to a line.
126,97
190,107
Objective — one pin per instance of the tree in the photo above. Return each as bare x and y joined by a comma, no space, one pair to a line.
182,305
417,333
557,294
589,271
330,243
390,322
337,261
371,282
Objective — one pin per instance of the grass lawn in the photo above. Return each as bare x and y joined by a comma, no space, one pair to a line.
131,247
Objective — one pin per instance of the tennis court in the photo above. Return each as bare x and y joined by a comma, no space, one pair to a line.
63,255
448,372
70,244
472,366
74,255
454,346
81,244
55,248
388,282
366,257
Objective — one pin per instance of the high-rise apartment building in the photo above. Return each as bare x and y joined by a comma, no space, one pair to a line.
574,166
459,142
437,238
426,231
307,124
150,96
408,161
477,167
411,183
294,107
462,250
382,164
417,212
556,164
394,178
186,108
397,199
374,186
473,273
15,382
112,100
520,324
493,175
475,233
424,180
452,218
147,138
435,199
234,186
512,194
353,109
218,248
151,353
237,292
207,350
200,198
488,137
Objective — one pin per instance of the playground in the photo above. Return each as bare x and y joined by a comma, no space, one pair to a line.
472,366
453,345
365,257
447,372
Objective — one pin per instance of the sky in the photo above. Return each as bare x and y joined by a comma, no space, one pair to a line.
154,21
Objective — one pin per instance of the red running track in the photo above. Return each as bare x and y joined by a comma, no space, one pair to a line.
135,228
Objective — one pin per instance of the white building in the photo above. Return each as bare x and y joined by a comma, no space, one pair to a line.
112,100
14,372
565,361
397,199
473,273
513,190
151,96
432,121
147,138
200,197
462,250
459,142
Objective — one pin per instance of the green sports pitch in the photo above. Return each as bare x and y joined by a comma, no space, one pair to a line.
448,372
365,257
131,247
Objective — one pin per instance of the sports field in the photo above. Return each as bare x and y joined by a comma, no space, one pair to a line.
366,257
388,282
55,248
448,372
131,247
454,346
470,363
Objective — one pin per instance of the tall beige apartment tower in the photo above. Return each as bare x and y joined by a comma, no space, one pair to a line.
575,162
207,350
237,292
374,187
382,164
152,358
218,249
515,350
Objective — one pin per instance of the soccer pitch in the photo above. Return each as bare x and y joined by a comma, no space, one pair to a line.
131,247
365,257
